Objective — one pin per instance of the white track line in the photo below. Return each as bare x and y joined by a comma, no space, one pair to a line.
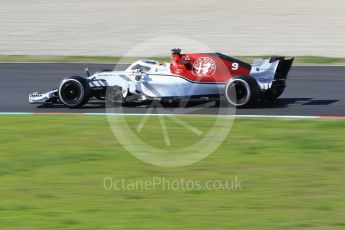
196,115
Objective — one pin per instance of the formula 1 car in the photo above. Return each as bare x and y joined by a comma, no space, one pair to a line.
193,75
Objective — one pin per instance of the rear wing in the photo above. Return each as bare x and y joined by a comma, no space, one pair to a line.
283,67
268,71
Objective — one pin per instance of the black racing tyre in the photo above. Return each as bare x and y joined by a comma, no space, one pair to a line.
74,91
241,91
273,93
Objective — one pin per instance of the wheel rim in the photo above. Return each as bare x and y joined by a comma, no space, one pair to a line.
71,92
238,93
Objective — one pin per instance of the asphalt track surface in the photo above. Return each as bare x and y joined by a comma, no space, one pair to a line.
311,91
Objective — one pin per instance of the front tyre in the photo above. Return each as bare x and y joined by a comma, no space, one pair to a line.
74,91
241,91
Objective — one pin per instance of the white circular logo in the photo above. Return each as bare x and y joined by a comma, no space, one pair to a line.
204,67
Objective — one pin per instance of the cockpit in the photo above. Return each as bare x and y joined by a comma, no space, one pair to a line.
142,65
148,66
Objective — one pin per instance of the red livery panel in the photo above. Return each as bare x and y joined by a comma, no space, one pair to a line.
207,67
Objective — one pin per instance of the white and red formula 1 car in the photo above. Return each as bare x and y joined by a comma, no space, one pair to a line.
192,75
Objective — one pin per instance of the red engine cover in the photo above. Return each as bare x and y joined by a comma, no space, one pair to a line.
207,67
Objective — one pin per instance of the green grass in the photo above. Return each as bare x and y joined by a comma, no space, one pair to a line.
52,170
312,60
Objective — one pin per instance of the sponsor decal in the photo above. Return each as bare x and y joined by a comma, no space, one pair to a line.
265,80
204,67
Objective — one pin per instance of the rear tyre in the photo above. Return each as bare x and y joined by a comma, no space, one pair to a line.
274,92
74,91
242,91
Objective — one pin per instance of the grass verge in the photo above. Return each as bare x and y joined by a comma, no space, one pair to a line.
310,60
52,170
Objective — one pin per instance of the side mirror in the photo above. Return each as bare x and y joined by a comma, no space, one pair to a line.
87,71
